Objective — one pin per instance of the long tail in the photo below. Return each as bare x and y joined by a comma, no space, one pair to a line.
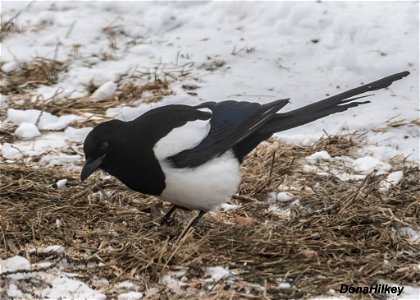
312,112
325,107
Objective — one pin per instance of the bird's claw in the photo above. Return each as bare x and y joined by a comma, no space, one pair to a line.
167,221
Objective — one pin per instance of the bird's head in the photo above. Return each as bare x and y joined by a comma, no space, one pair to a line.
97,147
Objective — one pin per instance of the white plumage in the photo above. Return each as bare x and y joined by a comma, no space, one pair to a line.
181,138
204,187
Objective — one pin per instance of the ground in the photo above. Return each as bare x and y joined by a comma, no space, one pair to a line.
328,204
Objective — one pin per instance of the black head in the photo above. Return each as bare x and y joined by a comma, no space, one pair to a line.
98,145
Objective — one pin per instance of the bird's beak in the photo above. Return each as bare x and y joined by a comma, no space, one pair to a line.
90,167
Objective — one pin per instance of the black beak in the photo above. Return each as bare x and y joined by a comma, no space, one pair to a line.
90,167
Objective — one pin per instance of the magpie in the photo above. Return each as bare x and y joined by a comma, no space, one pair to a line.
190,155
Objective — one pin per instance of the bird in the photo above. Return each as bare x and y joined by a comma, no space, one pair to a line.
190,156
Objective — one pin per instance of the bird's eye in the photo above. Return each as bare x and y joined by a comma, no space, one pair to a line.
104,146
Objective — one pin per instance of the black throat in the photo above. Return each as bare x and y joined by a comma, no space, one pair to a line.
131,159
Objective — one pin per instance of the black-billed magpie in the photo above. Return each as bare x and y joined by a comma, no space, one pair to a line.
190,155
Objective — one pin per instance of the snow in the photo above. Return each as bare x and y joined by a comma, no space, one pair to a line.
280,197
318,156
77,134
172,283
61,183
228,207
368,164
27,130
412,235
14,263
284,285
216,273
254,41
409,292
9,151
10,66
44,120
51,122
391,180
63,287
105,91
53,248
130,296
58,284
17,116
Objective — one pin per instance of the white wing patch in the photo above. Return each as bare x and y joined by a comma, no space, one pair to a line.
181,138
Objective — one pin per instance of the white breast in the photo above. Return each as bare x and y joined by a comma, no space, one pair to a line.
204,187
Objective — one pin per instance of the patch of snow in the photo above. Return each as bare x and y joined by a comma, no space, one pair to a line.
279,197
51,122
216,273
409,292
54,248
347,177
367,164
18,117
227,206
412,235
42,264
130,296
14,263
61,286
10,151
27,130
391,180
77,134
68,161
284,196
173,284
284,285
14,292
44,120
105,91
61,183
10,66
384,153
318,156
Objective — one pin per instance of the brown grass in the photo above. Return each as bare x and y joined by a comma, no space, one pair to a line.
38,71
341,232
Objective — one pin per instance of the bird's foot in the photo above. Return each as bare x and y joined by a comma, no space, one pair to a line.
167,221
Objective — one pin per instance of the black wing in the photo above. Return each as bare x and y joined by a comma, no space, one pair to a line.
231,122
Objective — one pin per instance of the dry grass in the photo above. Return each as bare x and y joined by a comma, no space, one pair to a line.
38,71
143,86
9,26
340,233
157,89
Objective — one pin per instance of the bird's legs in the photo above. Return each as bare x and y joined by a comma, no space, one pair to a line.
197,218
191,224
166,219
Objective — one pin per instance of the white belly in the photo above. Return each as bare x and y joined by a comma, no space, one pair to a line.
204,187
